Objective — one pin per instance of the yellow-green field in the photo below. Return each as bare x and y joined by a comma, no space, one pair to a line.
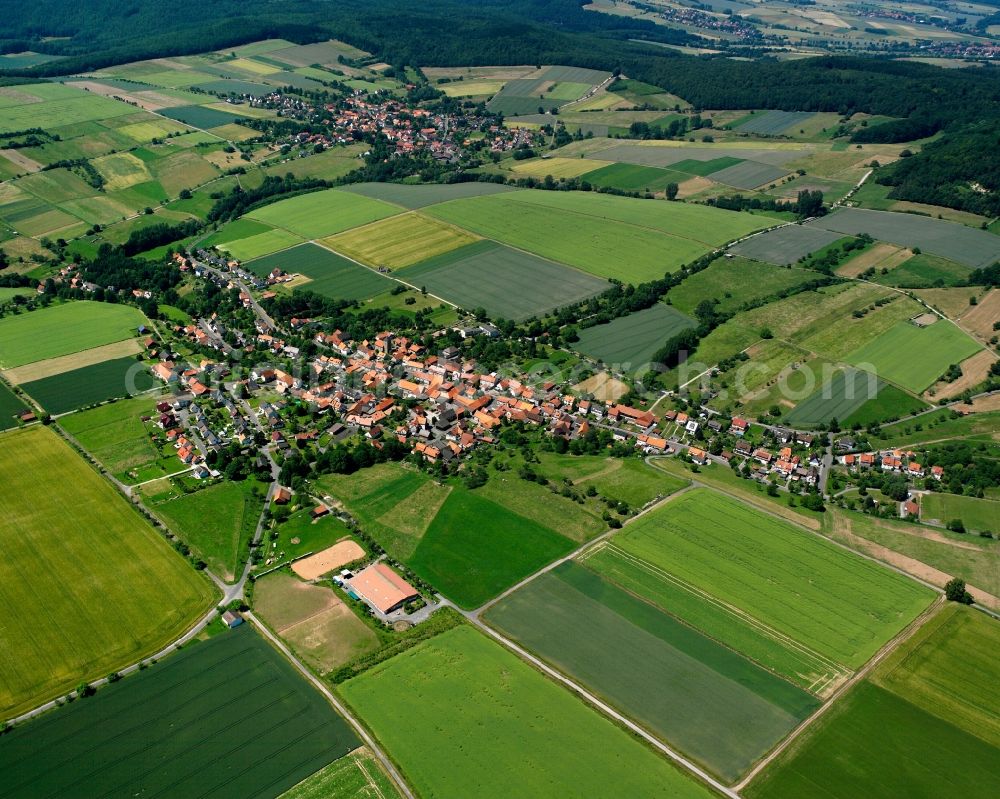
558,167
400,240
472,88
88,586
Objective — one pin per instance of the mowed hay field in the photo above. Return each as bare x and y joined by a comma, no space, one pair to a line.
631,341
709,701
925,724
915,357
518,733
355,776
399,241
978,515
837,604
508,283
64,329
313,620
631,240
86,585
323,213
198,709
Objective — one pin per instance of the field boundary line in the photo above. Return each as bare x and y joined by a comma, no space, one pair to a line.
903,635
339,706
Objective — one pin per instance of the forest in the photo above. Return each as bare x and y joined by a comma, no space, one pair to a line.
962,106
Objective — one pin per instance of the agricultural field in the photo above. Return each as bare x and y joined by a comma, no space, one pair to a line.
709,701
78,605
318,626
838,398
508,283
631,341
557,167
547,88
891,355
631,177
468,546
217,522
323,213
64,329
354,776
786,245
21,107
734,282
518,732
115,435
774,123
632,240
978,515
416,197
846,609
749,175
10,407
261,244
328,273
942,711
968,246
889,403
77,388
231,693
924,271
628,480
400,241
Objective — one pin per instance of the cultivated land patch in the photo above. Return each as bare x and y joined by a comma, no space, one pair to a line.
557,167
978,515
632,240
63,329
925,270
979,319
261,244
518,732
914,357
329,274
942,712
664,154
313,620
714,704
879,256
356,776
10,407
837,398
973,248
414,197
76,360
508,283
844,608
632,177
76,605
629,342
774,123
323,213
734,282
400,241
786,244
77,388
199,116
749,175
232,693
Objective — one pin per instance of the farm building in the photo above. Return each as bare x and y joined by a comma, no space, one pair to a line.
382,588
231,619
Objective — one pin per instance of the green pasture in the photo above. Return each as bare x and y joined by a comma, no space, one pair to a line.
323,213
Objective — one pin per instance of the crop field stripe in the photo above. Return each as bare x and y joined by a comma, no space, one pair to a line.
823,663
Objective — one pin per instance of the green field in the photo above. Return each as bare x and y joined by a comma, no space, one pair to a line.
589,234
507,283
199,116
924,271
77,604
329,274
891,403
713,704
420,196
10,406
323,213
633,177
839,397
978,515
517,732
261,244
735,282
355,776
914,357
216,522
837,604
60,105
628,480
114,434
233,693
87,385
936,697
400,240
630,342
64,329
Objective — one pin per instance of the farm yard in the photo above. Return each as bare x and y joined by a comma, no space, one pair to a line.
488,275
846,610
713,704
460,689
328,273
890,356
943,716
631,341
76,605
64,329
230,693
